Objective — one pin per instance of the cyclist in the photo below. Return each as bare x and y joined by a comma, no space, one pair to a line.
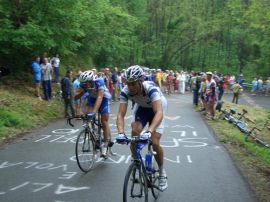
98,101
150,105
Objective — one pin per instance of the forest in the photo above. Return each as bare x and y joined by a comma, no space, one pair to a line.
230,36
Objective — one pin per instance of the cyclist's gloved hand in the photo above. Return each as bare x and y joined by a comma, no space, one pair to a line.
121,138
145,136
91,114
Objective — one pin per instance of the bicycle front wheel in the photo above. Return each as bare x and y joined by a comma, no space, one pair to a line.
85,151
135,184
154,180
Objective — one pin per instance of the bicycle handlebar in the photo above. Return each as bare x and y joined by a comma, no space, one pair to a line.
137,140
85,117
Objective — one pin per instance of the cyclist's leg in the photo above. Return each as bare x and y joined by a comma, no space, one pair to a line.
136,129
157,148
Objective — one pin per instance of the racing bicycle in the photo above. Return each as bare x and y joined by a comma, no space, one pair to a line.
89,142
141,176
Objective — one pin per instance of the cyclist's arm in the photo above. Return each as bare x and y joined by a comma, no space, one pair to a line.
120,122
100,95
79,93
158,110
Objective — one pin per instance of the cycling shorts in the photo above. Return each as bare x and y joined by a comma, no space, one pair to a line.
104,106
145,115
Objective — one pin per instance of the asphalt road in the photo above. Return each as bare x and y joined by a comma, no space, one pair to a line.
41,166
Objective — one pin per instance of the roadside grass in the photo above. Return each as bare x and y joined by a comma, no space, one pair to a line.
21,111
252,160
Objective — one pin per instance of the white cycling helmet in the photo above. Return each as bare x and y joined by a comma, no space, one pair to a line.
133,73
87,76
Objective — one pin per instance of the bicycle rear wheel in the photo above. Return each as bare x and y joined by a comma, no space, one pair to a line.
85,151
135,184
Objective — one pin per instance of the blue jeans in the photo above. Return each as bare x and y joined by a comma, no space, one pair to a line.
47,89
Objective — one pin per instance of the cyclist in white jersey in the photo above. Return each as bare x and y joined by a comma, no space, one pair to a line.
150,105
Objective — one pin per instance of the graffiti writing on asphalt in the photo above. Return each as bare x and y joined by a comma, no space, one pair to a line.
39,186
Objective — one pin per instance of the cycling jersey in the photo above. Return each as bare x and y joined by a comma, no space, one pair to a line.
143,111
98,84
150,94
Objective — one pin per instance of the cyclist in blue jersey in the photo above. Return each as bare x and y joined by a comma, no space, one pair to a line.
98,101
150,105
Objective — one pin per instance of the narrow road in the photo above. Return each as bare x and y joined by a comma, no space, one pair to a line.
41,166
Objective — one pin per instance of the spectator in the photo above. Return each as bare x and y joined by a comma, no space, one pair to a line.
68,94
114,83
254,86
260,84
78,102
236,88
55,61
267,91
202,92
182,82
210,94
120,84
221,87
46,69
36,70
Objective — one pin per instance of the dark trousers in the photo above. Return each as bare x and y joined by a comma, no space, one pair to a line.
235,98
195,97
56,74
221,92
47,89
69,107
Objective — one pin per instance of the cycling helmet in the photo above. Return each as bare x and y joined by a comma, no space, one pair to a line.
87,76
133,73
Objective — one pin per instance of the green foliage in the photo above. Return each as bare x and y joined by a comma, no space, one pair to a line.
229,36
12,119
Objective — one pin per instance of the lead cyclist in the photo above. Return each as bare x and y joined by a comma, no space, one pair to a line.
150,105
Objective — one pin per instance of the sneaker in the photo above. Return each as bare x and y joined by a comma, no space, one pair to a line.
162,181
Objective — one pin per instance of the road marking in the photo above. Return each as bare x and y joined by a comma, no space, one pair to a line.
190,140
62,189
182,126
172,118
22,185
194,133
65,131
43,186
173,161
189,159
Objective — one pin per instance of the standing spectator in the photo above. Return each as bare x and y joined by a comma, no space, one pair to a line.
231,81
68,94
182,82
55,61
46,69
254,86
36,70
210,94
194,89
120,84
78,102
221,87
202,92
236,88
267,91
260,84
114,83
